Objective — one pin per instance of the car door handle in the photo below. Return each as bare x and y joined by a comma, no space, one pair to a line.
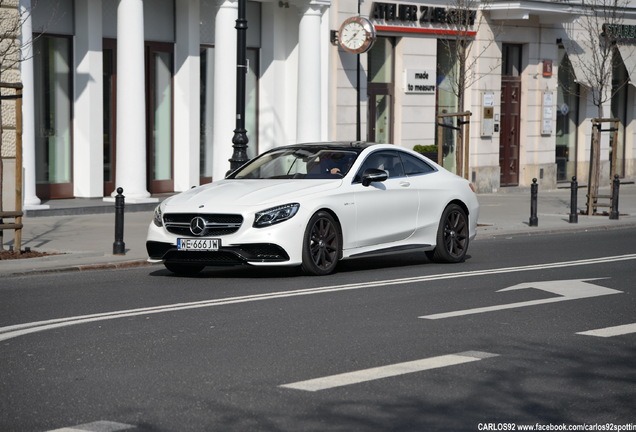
405,184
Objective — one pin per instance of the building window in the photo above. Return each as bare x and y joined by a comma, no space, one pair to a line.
567,119
53,114
380,90
207,109
159,132
251,102
207,113
447,100
620,79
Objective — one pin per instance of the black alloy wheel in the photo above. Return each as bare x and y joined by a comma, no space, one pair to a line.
321,244
452,236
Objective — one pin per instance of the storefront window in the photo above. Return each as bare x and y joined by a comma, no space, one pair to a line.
108,56
619,111
207,109
207,113
162,118
447,101
380,90
566,123
251,102
52,68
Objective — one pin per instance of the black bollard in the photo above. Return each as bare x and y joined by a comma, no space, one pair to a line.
615,186
534,189
574,214
119,247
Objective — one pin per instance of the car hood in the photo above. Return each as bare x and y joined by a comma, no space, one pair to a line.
226,195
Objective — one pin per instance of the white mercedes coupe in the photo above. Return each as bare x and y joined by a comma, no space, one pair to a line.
312,205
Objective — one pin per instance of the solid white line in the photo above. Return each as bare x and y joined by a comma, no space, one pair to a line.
397,369
33,327
611,331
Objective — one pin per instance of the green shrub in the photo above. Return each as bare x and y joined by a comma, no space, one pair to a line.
425,148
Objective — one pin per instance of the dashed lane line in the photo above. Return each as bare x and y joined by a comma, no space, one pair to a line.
98,426
376,373
611,331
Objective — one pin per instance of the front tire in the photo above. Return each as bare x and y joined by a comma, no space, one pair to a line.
452,236
321,244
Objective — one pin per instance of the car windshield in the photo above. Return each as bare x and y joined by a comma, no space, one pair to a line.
298,163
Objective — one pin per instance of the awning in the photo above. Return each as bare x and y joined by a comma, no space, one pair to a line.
547,12
582,60
628,54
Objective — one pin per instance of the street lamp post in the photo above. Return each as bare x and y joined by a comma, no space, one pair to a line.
240,140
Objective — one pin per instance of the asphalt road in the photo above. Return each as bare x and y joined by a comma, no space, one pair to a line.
388,344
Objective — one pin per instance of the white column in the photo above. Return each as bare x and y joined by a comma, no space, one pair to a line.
131,102
31,201
187,122
309,74
224,86
88,124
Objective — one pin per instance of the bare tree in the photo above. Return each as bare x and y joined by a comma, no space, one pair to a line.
465,19
9,58
593,39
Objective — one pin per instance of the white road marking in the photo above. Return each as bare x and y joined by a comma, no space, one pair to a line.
565,289
13,331
397,369
98,426
611,331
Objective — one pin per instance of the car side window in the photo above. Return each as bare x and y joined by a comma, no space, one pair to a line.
414,165
388,161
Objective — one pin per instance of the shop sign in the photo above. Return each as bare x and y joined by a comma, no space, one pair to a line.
408,14
420,81
619,31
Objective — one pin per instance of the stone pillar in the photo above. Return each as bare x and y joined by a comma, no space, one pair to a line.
88,124
31,200
187,109
131,102
309,77
224,87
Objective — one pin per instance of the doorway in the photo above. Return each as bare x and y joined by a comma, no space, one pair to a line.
509,139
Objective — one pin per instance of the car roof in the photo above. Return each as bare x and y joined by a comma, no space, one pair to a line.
356,146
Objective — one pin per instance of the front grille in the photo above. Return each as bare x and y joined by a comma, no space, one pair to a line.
217,258
215,224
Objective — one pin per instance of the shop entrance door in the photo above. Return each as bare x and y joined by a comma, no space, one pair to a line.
379,114
509,138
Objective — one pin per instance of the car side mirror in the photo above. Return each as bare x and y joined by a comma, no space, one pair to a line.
373,175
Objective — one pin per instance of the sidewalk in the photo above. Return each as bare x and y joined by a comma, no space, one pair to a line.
83,232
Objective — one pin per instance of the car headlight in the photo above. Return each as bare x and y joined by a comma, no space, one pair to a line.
275,215
158,216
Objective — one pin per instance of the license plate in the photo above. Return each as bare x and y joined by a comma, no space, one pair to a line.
186,244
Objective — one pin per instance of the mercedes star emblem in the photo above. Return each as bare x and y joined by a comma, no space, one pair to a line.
197,226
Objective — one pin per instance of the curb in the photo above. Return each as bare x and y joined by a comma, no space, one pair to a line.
81,268
564,230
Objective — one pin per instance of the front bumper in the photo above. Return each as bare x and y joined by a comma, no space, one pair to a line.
257,253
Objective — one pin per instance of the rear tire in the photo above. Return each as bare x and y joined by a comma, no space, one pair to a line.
452,236
321,244
184,269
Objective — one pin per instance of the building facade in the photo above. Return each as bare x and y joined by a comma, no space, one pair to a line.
141,94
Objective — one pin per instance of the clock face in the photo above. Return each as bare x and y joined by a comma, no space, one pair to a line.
356,35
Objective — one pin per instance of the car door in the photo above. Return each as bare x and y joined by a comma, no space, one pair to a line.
386,212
